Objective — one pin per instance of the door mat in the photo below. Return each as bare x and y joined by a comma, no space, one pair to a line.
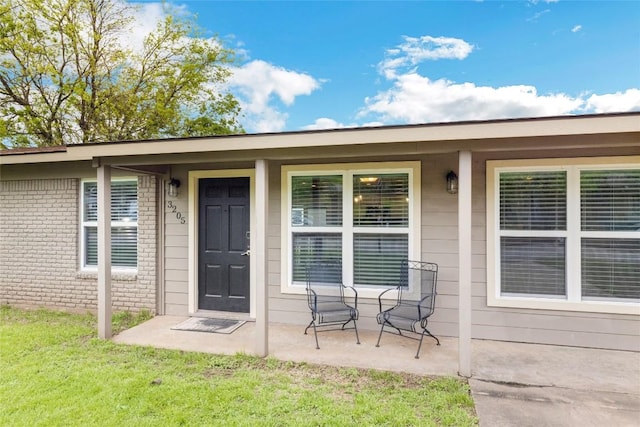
201,324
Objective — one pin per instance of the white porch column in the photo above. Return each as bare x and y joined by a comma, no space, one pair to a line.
104,251
259,253
464,263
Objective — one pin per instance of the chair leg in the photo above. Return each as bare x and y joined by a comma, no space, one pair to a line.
308,326
426,331
315,332
380,336
432,336
420,344
356,328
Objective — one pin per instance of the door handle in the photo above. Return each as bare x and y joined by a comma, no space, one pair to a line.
246,253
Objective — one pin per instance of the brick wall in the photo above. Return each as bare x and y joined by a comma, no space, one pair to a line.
40,248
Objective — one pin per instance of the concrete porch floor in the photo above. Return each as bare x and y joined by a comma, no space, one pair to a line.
512,383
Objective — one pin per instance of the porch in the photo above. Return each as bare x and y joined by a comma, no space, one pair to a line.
512,383
493,361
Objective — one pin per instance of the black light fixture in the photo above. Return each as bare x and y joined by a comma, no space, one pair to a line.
452,183
173,187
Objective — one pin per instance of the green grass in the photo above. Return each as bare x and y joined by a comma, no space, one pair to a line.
54,371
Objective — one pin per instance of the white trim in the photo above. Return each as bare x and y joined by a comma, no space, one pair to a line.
84,224
573,300
347,170
194,177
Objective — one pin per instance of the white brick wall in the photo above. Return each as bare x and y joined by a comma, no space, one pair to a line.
40,252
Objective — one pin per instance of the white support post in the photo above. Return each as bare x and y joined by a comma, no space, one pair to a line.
104,252
259,252
464,263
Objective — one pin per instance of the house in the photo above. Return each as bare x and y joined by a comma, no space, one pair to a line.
539,242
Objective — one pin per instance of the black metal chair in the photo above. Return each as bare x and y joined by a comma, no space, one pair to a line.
407,315
327,301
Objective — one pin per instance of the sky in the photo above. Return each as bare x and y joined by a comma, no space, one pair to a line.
304,65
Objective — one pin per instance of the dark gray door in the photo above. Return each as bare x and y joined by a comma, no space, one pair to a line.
223,241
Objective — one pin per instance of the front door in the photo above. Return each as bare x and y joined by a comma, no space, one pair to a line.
223,243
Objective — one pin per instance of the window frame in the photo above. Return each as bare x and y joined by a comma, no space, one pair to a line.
347,229
114,224
573,301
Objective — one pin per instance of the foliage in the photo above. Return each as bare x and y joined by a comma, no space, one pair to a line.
67,75
56,372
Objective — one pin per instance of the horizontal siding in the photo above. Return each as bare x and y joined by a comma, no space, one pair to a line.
439,232
539,326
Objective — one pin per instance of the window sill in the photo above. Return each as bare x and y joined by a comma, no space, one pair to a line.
564,305
120,276
366,293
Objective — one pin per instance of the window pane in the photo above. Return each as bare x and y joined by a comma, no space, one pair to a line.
316,201
124,246
90,201
381,200
532,265
317,248
610,200
124,201
533,200
611,268
377,258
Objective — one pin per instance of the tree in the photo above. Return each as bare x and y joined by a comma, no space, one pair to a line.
67,76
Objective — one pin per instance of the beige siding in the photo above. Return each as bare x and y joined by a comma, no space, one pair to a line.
176,250
439,230
540,326
439,244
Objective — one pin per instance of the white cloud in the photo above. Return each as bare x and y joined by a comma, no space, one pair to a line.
258,83
418,49
416,99
576,28
325,123
536,16
147,16
628,100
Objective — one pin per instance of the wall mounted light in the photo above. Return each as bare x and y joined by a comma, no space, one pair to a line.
173,187
452,183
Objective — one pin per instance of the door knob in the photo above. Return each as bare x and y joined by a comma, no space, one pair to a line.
246,253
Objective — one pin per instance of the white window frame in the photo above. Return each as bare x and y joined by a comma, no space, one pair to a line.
85,224
347,230
573,235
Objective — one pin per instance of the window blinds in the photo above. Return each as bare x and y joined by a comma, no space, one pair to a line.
124,223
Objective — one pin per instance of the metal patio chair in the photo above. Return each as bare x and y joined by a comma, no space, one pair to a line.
327,302
407,315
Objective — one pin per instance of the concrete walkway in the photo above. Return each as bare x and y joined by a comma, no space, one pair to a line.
513,384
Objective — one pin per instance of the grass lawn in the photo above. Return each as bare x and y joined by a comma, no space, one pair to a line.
54,371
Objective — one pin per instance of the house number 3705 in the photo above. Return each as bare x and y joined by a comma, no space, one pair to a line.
174,210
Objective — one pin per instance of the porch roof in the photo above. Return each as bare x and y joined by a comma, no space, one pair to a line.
622,129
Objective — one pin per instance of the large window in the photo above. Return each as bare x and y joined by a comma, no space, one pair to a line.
357,220
124,224
569,234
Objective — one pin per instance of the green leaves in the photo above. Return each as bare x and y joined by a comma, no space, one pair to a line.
66,76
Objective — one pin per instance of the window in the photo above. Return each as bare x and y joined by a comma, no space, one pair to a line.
358,220
124,224
564,237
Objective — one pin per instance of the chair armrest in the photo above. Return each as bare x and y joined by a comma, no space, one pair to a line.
312,299
355,293
397,288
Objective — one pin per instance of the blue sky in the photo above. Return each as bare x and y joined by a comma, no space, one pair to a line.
325,64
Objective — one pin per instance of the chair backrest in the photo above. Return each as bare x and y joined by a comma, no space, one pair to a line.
426,275
325,280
